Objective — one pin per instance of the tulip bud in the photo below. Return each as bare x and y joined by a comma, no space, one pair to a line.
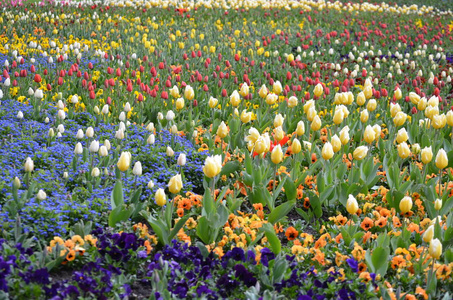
96,110
189,93
16,183
439,121
89,132
279,133
398,95
212,166
438,204
364,116
403,150
51,133
415,99
351,205
361,99
105,109
74,99
95,172
127,107
360,152
399,119
300,130
435,248
80,134
296,147
394,109
244,91
173,129
169,151
94,146
371,105
151,139
316,124
222,130
161,198
181,160
416,148
405,204
20,115
271,99
124,161
429,234
175,184
318,90
137,170
170,115
179,103
41,195
338,116
29,165
327,151
122,116
441,159
292,102
369,135
246,116
213,102
422,104
277,155
103,151
401,136
119,134
78,148
336,143
278,120
263,91
344,135
277,88
235,99
150,184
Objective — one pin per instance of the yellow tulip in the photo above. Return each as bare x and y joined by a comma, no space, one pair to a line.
212,166
246,116
124,161
263,91
235,99
415,99
296,147
279,133
403,150
368,92
438,204
309,104
277,87
318,90
338,116
394,109
371,105
429,234
364,116
398,94
426,155
292,102
175,184
399,119
361,99
290,57
222,130
405,204
336,143
360,152
189,94
344,135
277,155
450,118
401,136
213,102
351,205
300,130
439,121
180,103
369,135
435,248
441,159
161,198
244,91
422,103
316,124
271,99
327,151
278,120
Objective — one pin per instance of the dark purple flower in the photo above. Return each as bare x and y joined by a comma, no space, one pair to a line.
353,264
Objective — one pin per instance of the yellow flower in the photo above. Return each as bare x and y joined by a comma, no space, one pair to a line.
124,161
277,155
406,204
175,184
160,197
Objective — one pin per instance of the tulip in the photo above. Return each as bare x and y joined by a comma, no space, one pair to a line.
450,118
278,120
253,135
95,172
174,92
16,182
212,166
292,102
78,148
361,99
368,92
371,105
170,115
394,109
441,159
29,165
344,135
41,195
309,104
263,91
74,99
405,204
429,234
336,143
20,115
318,90
94,146
415,99
279,133
105,109
150,127
377,131
127,107
327,151
235,99
399,119
435,248
433,101
351,205
103,151
244,91
79,134
180,103
422,104
96,110
300,130
307,145
150,184
338,116
316,124
169,151
175,184
369,135
222,130
403,150
181,160
161,198
38,93
213,102
246,116
311,114
416,148
277,154
439,121
438,204
174,129
398,95
189,94
124,161
296,147
89,132
360,152
401,136
427,155
277,87
151,139
271,99
364,116
137,170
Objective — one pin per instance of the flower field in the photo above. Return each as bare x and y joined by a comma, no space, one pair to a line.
226,149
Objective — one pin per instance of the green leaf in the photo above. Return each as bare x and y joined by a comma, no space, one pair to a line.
281,211
230,167
208,203
290,189
203,230
272,238
119,214
117,197
136,195
378,260
178,226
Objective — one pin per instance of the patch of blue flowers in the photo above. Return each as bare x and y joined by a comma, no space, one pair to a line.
70,199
